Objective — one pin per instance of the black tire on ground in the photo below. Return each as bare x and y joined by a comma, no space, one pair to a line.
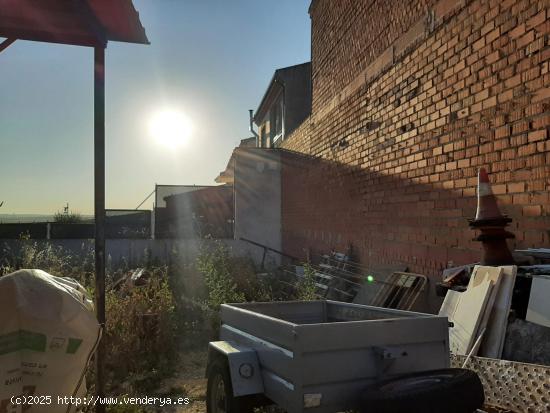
219,391
435,391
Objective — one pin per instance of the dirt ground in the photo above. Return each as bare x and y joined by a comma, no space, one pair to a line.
189,382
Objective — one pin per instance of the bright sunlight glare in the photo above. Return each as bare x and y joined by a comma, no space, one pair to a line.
170,128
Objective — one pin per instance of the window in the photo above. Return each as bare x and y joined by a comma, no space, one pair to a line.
276,121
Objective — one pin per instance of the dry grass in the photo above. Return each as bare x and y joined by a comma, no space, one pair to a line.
156,334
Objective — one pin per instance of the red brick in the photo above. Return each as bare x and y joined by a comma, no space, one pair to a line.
489,103
492,36
493,57
505,96
463,163
538,135
502,132
517,187
537,19
518,31
499,189
521,199
513,82
479,44
532,211
525,39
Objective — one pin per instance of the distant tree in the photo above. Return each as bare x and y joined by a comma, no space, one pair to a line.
67,217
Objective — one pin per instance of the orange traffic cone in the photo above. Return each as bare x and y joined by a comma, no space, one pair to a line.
487,207
491,224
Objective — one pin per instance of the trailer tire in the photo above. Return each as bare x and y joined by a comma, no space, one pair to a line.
219,391
435,391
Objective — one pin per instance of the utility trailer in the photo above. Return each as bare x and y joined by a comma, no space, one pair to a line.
317,356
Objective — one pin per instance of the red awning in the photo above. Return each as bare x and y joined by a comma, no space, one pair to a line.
77,22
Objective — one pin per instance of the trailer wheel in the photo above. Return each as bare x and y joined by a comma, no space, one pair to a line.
436,391
219,391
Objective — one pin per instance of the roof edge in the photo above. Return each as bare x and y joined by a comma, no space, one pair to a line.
274,79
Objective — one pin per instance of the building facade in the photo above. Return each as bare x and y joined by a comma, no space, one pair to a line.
285,105
204,213
409,100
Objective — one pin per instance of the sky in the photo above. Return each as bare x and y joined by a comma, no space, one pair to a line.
211,60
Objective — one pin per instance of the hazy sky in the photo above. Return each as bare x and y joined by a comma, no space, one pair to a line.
212,59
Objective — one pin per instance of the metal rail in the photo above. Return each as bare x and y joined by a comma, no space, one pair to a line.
400,291
266,248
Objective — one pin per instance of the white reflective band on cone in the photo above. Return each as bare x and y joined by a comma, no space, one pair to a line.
484,189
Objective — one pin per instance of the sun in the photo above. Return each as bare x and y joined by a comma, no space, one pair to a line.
170,127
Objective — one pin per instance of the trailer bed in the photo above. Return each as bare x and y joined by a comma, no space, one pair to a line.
316,356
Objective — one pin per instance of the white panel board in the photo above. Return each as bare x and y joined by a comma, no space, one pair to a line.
466,311
493,341
538,310
480,274
450,303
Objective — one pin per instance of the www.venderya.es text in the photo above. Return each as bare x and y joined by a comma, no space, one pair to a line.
96,400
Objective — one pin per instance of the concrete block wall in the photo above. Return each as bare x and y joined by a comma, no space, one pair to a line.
409,100
257,189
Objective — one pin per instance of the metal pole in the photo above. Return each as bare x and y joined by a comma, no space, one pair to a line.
99,199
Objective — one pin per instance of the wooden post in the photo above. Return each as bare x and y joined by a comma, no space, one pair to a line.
99,211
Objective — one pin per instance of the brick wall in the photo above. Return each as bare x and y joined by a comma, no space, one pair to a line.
405,111
301,136
347,35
